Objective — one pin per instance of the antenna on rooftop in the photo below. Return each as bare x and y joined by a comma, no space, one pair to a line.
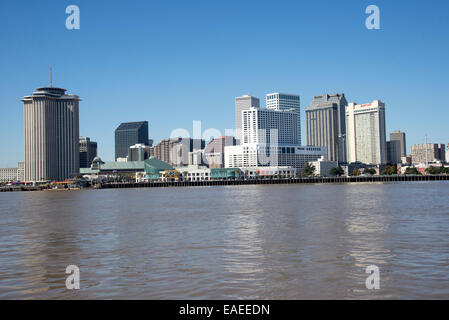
51,80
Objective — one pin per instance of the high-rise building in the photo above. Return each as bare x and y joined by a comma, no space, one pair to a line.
88,151
51,134
270,137
365,130
20,171
244,102
161,150
180,149
128,134
394,152
214,151
270,126
138,152
286,102
429,152
402,147
326,124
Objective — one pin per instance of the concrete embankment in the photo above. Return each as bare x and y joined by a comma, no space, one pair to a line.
367,179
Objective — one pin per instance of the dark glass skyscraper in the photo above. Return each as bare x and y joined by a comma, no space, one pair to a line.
88,151
128,134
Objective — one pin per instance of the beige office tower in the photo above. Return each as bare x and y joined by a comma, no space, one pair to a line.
325,123
243,103
51,134
365,130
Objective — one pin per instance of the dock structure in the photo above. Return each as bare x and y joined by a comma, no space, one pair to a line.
233,182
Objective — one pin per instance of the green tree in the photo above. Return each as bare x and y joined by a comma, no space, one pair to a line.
369,171
411,170
355,172
390,170
309,170
336,171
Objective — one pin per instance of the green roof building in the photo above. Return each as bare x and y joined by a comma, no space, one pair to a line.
151,167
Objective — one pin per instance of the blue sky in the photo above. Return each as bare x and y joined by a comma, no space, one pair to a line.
172,62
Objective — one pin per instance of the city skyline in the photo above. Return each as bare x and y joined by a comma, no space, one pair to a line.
215,65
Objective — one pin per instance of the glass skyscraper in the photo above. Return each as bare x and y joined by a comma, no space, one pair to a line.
128,134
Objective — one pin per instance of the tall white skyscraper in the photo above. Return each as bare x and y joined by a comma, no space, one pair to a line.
286,102
261,125
365,130
243,103
51,134
271,137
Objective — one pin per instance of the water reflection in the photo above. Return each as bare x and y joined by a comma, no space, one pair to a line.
246,242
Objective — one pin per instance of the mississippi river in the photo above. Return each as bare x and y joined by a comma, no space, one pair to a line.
228,242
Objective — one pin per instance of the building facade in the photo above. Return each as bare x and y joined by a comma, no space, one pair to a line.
138,152
400,137
214,151
161,150
286,102
181,149
20,171
51,134
88,151
323,166
326,124
269,126
244,102
128,134
263,155
8,174
429,152
365,133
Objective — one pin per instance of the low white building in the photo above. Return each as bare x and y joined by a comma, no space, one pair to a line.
259,172
323,166
194,173
266,155
8,174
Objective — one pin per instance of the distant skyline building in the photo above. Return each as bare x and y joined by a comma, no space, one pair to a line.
21,171
180,150
396,147
270,126
366,135
8,174
138,152
286,102
88,151
51,122
176,150
214,151
428,152
400,137
326,124
242,103
447,153
270,137
161,150
13,174
128,134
